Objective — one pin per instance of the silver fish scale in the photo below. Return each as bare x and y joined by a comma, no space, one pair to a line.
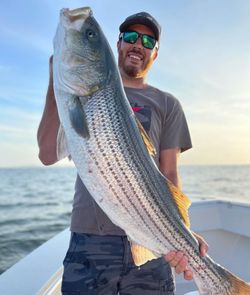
111,141
106,145
118,177
126,175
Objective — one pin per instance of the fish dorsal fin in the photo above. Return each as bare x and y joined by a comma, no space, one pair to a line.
147,141
182,201
141,254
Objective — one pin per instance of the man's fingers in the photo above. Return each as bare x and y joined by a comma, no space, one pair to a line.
170,256
174,258
181,265
203,249
180,262
188,275
203,245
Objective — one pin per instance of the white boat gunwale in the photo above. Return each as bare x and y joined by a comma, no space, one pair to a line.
214,219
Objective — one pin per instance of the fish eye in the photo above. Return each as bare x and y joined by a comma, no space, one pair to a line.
91,35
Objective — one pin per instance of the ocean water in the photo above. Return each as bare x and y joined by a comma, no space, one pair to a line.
35,203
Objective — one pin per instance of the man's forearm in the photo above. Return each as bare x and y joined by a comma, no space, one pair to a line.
48,129
174,177
169,165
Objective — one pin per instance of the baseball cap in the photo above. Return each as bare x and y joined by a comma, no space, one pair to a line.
142,18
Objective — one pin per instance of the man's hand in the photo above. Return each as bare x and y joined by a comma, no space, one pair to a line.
180,262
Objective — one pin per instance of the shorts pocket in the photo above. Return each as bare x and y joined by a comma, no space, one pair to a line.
167,287
165,276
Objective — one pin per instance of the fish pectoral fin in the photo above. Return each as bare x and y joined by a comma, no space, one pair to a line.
147,141
62,146
182,201
78,117
141,255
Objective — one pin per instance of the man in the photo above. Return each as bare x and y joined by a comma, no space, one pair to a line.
99,259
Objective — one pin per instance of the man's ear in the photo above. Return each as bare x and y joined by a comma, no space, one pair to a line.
155,54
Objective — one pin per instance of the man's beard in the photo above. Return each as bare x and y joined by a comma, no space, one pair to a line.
131,71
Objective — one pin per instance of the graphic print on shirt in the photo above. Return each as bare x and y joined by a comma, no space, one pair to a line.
143,114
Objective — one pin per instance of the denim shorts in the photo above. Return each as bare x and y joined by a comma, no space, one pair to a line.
103,265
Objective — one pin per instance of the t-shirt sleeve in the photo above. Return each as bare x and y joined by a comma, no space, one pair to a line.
175,132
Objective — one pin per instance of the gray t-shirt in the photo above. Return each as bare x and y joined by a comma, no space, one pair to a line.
163,119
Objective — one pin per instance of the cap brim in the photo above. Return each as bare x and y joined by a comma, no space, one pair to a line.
143,21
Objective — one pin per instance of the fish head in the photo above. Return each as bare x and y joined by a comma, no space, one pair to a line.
83,61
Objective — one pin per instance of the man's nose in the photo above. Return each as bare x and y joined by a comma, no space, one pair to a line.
138,42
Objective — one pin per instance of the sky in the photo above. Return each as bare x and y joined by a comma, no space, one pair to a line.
204,61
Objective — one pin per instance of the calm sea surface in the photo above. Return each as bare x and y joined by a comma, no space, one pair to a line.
35,203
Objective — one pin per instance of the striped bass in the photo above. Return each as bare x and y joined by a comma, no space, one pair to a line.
109,152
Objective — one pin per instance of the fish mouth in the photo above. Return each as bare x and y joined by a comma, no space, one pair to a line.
78,13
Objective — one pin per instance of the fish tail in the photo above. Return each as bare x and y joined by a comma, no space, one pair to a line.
239,286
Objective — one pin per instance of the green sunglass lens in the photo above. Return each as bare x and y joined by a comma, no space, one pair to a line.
130,37
148,42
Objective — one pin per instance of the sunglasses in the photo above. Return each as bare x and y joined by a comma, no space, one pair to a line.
131,37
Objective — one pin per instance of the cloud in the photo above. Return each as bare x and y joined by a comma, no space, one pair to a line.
24,154
17,116
25,36
5,69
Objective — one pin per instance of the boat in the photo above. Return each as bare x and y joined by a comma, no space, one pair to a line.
224,225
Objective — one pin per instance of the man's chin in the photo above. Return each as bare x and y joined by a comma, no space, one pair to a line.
132,71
